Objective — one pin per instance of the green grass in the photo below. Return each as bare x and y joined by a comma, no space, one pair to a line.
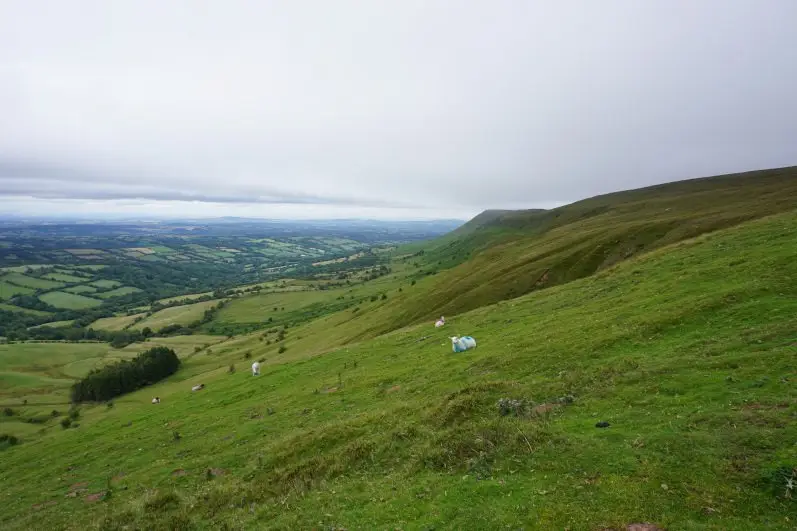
12,308
80,289
506,255
55,324
106,284
687,351
31,282
69,301
183,315
189,297
8,291
118,292
116,323
63,277
23,268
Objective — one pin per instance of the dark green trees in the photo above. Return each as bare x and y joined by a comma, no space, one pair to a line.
126,376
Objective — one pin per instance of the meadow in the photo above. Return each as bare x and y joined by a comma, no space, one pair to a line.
69,301
686,352
635,363
182,315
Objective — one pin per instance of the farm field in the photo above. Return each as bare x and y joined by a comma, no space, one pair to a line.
188,297
31,282
65,278
70,301
116,323
182,315
117,292
56,324
80,289
12,308
399,428
106,284
7,291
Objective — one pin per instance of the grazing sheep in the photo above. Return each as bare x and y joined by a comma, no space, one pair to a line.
156,400
440,322
461,344
256,369
198,387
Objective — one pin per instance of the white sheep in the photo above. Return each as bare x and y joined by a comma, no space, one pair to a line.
156,400
461,344
256,369
440,322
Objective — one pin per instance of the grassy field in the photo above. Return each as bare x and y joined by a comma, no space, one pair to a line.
56,324
106,284
189,297
182,315
31,282
118,292
64,277
69,301
116,323
12,308
688,352
80,289
9,290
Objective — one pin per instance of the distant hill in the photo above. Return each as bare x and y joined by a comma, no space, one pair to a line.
504,254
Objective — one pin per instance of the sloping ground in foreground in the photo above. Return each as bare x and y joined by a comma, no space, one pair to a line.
688,352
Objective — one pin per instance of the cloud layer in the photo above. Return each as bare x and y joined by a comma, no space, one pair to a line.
340,107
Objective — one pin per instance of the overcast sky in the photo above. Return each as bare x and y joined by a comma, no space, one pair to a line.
395,109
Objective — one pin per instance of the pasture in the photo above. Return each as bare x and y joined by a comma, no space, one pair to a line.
106,284
685,352
117,292
31,282
116,323
69,301
8,291
182,315
82,289
64,277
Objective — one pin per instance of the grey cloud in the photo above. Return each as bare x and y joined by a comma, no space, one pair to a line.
441,104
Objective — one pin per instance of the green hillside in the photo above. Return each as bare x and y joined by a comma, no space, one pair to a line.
686,352
666,312
508,255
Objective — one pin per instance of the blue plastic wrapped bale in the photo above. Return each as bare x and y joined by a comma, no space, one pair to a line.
461,344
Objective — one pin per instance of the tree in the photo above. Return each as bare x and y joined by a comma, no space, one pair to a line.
125,376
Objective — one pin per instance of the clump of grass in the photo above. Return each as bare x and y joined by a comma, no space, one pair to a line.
66,422
8,440
231,369
8,412
512,406
109,405
74,413
282,349
783,482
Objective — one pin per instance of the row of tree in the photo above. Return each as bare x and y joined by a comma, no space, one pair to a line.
126,376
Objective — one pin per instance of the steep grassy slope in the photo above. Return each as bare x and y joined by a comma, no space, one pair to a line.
688,352
510,254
